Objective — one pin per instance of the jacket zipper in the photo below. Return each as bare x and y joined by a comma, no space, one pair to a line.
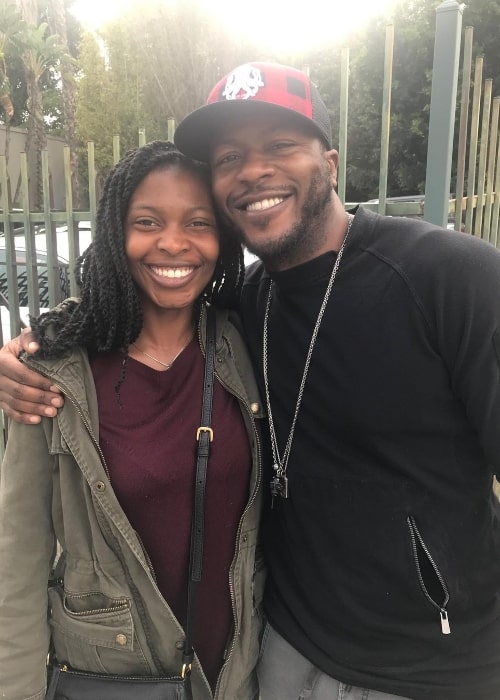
231,584
415,535
144,679
248,506
146,557
94,611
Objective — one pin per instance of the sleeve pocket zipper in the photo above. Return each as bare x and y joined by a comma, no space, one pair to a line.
416,542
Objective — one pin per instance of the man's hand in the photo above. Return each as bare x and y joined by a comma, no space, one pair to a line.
25,395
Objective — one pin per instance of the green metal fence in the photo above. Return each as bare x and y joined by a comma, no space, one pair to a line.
38,249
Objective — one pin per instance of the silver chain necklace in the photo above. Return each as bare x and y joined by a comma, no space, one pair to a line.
279,482
167,365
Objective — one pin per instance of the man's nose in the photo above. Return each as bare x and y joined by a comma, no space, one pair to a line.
255,166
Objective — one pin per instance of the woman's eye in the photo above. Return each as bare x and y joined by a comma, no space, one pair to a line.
202,224
144,222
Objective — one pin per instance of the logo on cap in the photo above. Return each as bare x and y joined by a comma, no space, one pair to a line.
242,83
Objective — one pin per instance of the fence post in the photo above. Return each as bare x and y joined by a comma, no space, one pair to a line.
483,149
464,120
170,128
116,148
473,141
344,101
442,111
10,254
50,236
386,119
92,190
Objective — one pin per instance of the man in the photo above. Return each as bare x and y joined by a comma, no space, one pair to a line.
379,344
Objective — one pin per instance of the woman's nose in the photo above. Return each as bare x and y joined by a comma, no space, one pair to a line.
173,240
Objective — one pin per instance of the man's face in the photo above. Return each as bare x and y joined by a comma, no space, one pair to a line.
273,182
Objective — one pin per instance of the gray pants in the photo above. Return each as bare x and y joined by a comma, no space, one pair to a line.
284,674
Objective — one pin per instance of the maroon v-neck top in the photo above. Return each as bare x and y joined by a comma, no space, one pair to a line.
150,448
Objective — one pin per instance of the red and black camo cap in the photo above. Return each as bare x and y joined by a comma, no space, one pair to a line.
276,87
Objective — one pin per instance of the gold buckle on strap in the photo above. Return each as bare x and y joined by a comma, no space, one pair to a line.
186,670
205,429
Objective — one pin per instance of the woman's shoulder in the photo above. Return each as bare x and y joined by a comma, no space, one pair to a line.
233,357
72,369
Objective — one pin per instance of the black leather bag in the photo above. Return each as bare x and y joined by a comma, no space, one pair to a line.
64,683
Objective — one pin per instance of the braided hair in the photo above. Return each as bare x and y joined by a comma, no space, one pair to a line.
108,315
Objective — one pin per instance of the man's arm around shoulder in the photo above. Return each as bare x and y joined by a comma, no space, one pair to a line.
25,396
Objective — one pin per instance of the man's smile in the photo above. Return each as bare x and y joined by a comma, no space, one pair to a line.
263,204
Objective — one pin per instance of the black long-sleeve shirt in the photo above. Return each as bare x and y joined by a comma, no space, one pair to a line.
391,526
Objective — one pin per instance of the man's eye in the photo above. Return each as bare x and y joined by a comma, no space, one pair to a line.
282,144
227,158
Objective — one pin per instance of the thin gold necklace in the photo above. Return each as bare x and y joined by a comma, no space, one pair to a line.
167,365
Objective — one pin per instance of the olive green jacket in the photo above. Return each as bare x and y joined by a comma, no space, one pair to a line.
104,610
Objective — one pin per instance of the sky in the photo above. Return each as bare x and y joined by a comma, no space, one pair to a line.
279,26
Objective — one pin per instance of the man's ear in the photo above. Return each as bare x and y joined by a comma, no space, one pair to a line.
332,158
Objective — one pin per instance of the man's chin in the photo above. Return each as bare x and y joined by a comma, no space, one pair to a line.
279,253
253,244
263,248
275,251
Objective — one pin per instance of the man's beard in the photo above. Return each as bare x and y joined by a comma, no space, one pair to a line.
306,236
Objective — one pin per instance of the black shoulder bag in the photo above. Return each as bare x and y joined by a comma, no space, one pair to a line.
69,684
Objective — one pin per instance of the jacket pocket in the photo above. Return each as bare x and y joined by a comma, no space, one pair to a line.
431,581
92,632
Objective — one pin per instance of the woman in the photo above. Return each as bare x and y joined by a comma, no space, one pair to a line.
111,478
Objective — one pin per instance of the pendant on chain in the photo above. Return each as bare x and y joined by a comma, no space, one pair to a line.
278,484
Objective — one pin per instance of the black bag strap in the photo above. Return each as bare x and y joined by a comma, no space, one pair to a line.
204,437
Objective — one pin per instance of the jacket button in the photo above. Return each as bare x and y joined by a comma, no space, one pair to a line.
121,639
100,486
179,644
255,407
220,360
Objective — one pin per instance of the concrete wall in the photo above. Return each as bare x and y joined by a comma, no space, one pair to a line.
55,148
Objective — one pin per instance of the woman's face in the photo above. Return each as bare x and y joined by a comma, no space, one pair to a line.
171,238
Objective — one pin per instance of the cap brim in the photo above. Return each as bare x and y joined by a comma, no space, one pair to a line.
194,135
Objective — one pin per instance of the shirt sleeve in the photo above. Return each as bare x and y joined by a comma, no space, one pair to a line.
26,552
466,310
